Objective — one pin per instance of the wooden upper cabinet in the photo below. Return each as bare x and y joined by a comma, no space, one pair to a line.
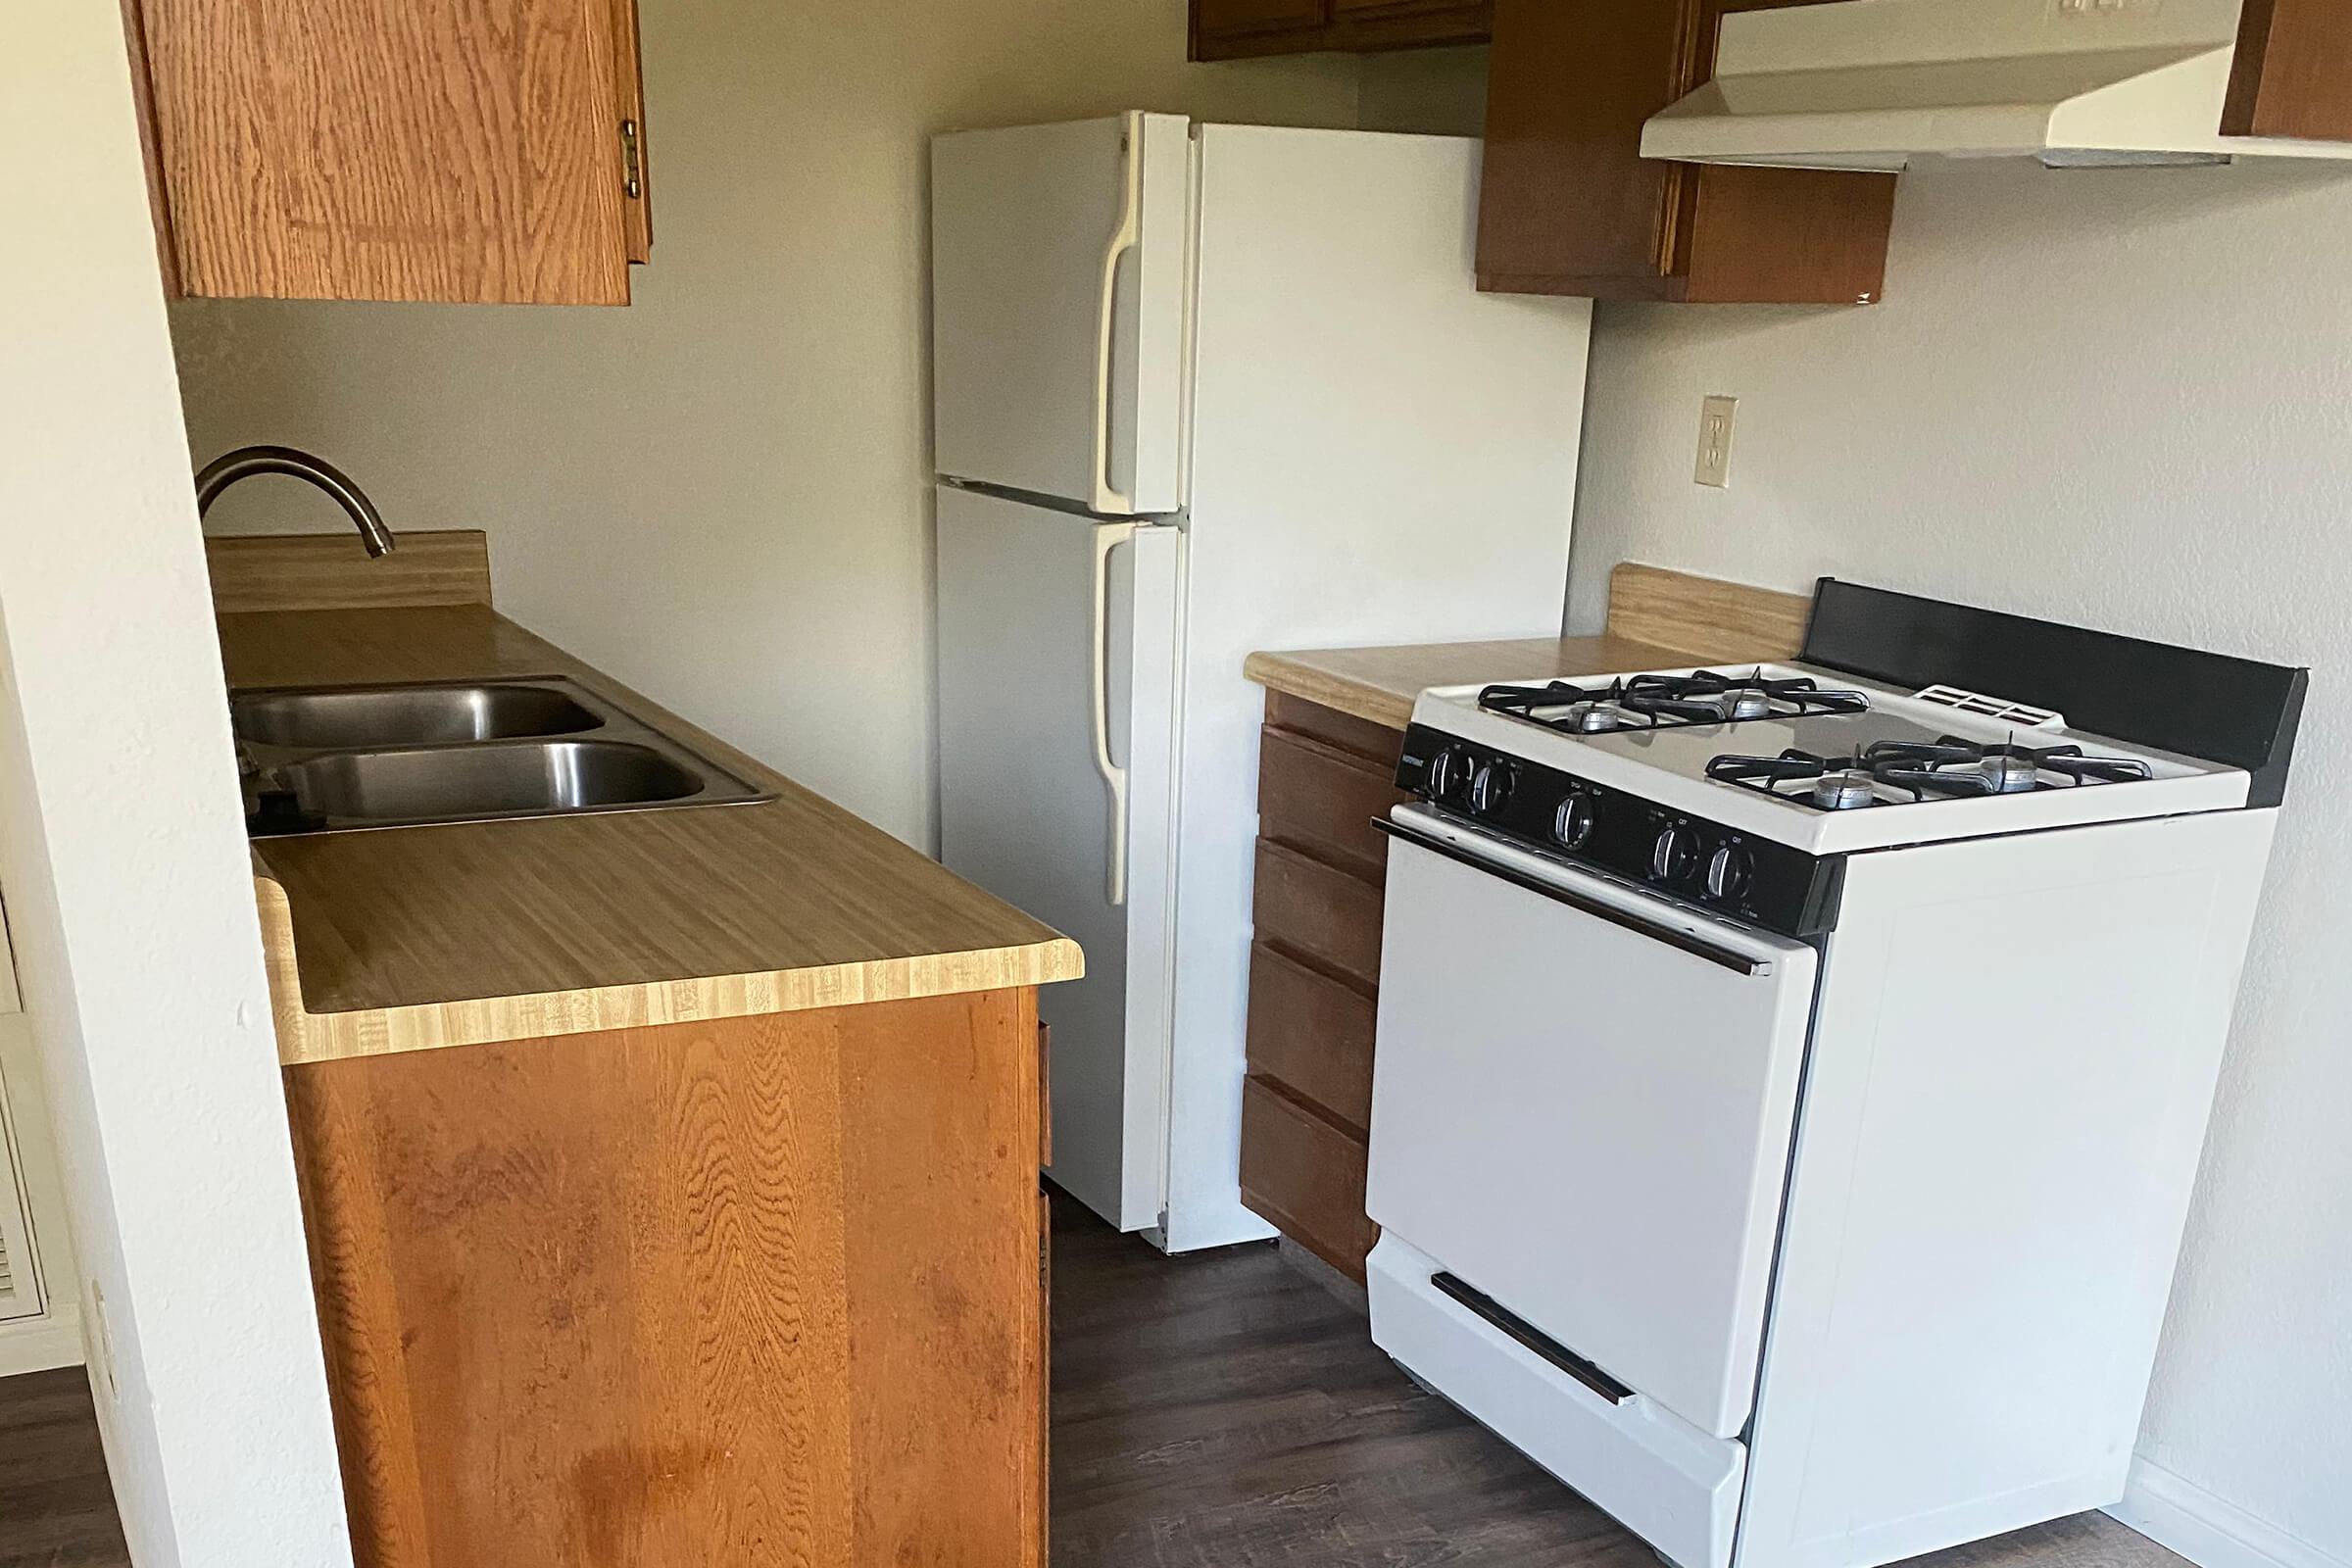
1571,207
2293,73
1229,18
467,151
1227,30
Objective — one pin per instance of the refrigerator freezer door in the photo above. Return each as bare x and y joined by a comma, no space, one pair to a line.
1026,813
1059,256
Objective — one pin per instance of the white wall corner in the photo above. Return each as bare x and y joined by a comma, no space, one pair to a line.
2210,1531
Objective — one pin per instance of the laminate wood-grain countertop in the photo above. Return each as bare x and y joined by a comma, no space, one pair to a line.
1380,684
418,938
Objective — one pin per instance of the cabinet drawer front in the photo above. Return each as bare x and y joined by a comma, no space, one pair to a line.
1326,914
1314,1033
1307,1175
1378,745
1322,801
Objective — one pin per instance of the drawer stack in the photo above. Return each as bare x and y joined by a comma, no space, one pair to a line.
1314,974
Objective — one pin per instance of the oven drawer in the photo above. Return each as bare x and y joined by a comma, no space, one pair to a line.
1305,1173
1584,1108
1312,909
1314,1033
1313,798
1674,1485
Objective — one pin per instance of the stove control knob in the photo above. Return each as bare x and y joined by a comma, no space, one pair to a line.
1731,872
1572,826
1676,855
1447,771
1490,790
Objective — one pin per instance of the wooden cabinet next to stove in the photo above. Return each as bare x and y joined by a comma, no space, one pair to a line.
1314,974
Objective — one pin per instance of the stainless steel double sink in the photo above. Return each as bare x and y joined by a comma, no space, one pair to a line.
338,757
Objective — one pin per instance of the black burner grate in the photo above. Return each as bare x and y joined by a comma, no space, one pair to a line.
1948,768
1668,702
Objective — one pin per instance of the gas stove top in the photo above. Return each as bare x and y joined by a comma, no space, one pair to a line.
1810,759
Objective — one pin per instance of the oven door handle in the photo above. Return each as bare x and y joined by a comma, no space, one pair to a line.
1697,946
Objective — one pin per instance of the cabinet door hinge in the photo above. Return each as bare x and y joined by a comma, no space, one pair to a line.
632,178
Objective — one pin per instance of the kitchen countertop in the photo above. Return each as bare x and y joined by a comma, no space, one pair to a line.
416,938
1380,684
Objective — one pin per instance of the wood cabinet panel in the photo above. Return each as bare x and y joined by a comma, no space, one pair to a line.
1307,1175
1567,192
1787,236
1378,745
2293,71
1314,1033
1571,207
1321,802
1226,18
1233,29
754,1290
637,158
1324,914
450,150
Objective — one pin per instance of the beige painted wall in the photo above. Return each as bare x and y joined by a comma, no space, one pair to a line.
721,494
1438,92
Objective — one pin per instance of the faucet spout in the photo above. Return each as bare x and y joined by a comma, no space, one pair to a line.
246,462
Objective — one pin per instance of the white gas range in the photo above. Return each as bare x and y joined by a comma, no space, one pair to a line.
1789,1084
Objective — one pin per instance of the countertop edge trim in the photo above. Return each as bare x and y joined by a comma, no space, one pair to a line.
305,1037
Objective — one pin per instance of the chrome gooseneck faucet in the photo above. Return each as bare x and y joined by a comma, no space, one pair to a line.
246,462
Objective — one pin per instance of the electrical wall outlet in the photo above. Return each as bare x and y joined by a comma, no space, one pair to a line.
1715,442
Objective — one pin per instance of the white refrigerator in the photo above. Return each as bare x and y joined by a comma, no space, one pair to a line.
1201,390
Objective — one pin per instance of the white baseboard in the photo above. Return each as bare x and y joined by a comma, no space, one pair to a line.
37,1344
2209,1531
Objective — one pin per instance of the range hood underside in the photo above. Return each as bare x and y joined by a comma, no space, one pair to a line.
2126,106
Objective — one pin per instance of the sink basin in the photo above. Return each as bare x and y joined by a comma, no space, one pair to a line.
459,783
406,715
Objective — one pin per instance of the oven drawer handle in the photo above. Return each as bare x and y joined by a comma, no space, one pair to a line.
1532,1339
1697,946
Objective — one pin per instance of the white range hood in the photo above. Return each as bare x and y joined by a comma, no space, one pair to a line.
1873,84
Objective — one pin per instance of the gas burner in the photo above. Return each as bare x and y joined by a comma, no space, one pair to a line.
1958,768
1846,789
1922,770
1829,784
1668,702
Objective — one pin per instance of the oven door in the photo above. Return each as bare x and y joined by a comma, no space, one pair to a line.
1581,1106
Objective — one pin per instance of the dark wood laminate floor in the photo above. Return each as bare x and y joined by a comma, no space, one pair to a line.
1216,1411
56,1507
1225,1411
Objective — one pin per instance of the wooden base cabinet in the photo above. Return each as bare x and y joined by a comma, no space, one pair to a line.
1314,975
758,1291
462,151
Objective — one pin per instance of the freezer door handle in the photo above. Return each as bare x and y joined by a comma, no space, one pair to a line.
1108,536
1107,497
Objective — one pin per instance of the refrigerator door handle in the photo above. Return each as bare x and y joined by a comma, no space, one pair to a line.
1108,536
1130,233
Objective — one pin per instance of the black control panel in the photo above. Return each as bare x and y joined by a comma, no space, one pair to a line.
1756,880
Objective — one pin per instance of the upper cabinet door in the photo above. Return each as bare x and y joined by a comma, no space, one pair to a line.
1567,190
1228,29
443,150
1571,207
1226,18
